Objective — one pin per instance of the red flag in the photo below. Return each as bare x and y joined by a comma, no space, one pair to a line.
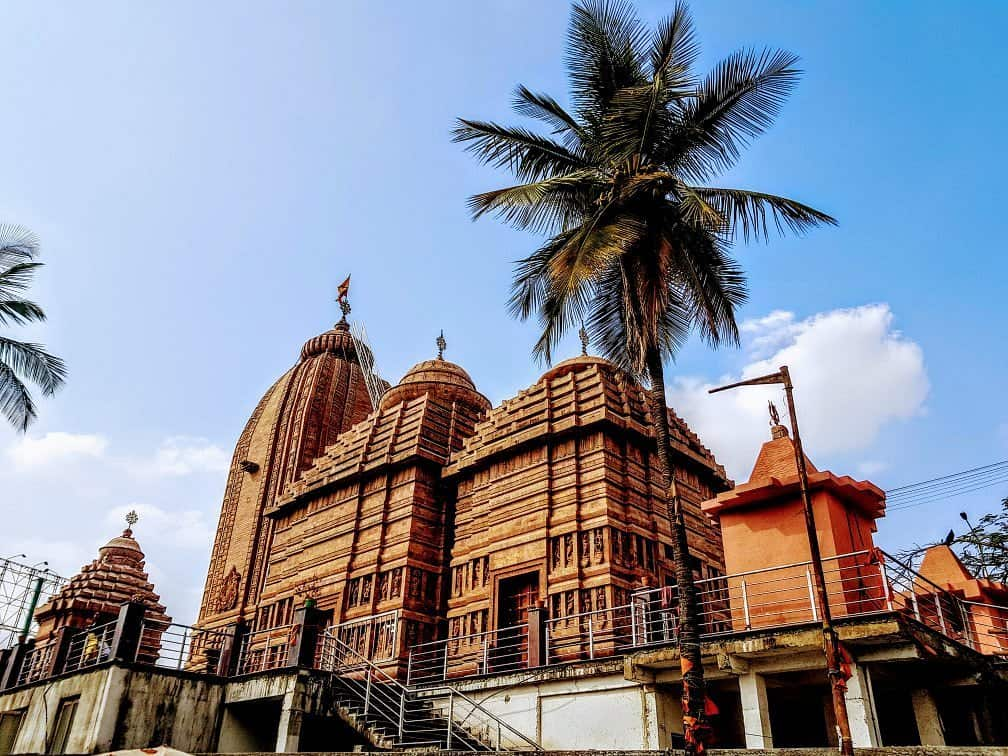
343,290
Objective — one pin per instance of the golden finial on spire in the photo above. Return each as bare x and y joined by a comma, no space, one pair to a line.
131,519
441,345
583,335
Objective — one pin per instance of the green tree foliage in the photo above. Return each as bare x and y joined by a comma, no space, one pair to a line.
22,362
638,240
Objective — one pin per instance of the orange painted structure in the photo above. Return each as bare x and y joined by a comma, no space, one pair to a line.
763,528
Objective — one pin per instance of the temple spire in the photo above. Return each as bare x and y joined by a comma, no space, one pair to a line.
441,345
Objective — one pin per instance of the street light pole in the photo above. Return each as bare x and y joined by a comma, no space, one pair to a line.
831,645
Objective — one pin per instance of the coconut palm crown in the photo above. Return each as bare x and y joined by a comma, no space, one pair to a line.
21,361
638,242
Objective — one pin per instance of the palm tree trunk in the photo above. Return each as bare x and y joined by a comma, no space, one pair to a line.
695,727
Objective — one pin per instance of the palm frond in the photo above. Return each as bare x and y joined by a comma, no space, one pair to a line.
15,400
752,213
544,108
34,363
737,102
17,277
19,312
710,284
526,154
604,53
528,288
674,46
17,243
553,203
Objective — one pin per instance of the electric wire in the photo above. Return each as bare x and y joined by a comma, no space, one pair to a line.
947,486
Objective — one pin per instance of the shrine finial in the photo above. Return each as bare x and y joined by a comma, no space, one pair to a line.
342,292
131,519
441,345
583,335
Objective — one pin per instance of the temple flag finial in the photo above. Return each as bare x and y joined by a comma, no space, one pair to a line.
441,345
583,335
342,292
776,429
131,519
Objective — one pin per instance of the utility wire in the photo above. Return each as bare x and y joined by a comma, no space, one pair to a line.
947,486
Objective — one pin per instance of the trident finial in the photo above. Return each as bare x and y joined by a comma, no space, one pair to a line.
441,345
341,298
583,335
774,415
131,518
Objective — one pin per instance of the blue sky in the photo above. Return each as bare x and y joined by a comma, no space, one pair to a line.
203,175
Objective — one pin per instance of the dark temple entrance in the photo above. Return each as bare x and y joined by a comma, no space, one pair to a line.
515,596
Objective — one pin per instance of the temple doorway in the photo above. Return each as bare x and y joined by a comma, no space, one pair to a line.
515,596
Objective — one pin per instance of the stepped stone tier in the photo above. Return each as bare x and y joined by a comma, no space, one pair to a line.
95,594
560,503
300,415
442,512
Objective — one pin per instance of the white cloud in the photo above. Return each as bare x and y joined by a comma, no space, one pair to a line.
55,448
185,455
853,373
178,528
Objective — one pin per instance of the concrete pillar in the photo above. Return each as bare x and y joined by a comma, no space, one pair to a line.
650,740
304,638
755,711
929,724
861,709
289,731
129,625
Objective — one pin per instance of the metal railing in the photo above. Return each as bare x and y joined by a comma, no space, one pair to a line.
90,647
266,649
857,584
502,650
988,627
37,662
438,716
375,636
170,645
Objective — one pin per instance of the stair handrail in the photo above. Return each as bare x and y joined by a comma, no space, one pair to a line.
426,691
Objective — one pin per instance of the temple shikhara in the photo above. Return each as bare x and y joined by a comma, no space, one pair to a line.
414,566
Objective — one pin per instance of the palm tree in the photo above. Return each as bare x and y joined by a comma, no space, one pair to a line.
19,360
638,243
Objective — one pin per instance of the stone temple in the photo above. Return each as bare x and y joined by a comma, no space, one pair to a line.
410,566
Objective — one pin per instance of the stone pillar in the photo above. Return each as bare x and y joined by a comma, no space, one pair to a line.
291,716
861,709
304,638
537,651
755,711
234,635
15,658
63,637
129,625
929,724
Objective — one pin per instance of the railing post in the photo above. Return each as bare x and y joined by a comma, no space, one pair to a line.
941,616
486,653
966,614
126,637
182,645
885,584
811,595
367,692
498,735
402,711
537,650
591,639
745,605
409,669
444,667
913,601
451,718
